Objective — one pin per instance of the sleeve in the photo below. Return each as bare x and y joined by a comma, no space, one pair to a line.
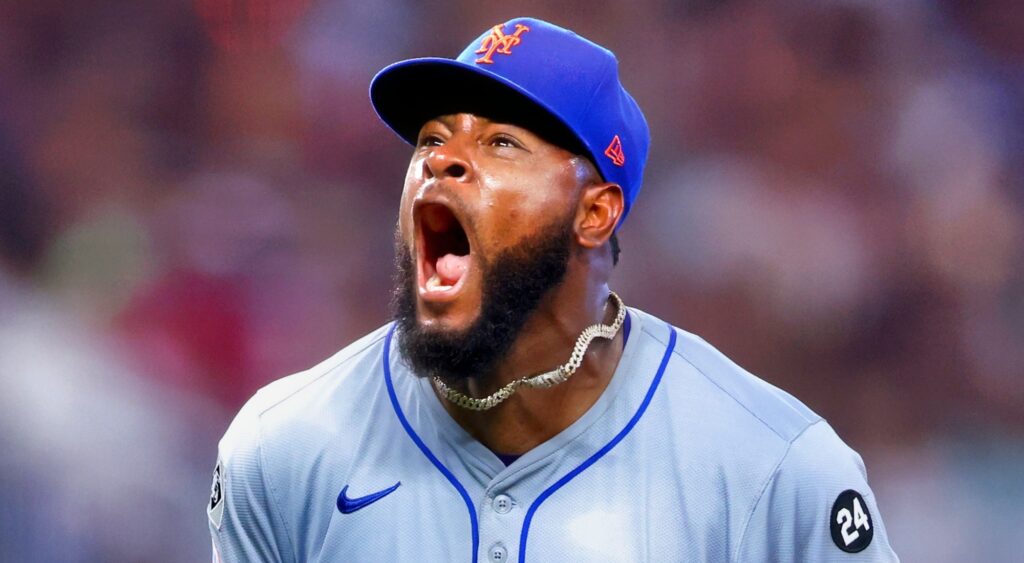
817,506
244,524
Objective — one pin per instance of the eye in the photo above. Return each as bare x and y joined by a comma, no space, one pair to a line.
430,140
505,141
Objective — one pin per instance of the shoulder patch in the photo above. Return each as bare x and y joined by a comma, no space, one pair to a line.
850,522
215,508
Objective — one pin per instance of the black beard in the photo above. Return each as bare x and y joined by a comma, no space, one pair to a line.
514,283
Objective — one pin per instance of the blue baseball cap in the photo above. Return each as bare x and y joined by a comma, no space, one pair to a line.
536,74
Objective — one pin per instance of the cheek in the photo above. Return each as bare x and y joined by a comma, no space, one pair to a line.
525,202
413,183
405,213
415,171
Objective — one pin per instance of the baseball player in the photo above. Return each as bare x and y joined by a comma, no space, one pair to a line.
516,409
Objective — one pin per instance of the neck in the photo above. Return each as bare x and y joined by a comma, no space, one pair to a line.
532,416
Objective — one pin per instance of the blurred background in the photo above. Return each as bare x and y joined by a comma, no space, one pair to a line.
196,198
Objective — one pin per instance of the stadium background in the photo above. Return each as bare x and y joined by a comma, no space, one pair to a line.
196,198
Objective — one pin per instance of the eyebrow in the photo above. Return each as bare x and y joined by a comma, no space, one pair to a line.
448,121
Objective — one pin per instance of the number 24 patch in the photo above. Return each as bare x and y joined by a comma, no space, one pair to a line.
851,522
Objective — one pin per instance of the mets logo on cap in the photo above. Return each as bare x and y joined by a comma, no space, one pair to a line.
499,42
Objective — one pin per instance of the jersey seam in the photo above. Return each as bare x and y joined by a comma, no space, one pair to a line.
809,422
771,478
272,498
326,371
738,402
645,328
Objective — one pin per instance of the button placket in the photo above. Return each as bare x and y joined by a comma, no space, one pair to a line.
500,522
497,553
502,504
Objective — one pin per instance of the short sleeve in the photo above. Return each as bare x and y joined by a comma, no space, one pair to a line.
817,506
242,519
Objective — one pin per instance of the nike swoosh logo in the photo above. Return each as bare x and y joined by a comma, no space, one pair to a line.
349,505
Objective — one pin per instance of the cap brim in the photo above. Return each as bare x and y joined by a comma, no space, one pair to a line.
409,93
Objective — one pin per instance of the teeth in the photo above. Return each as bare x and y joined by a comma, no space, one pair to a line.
434,284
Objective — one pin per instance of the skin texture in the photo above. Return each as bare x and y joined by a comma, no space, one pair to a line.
503,183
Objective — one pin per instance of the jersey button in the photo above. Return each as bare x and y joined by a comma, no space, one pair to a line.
498,553
502,504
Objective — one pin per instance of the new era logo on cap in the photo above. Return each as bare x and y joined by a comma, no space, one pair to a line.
614,151
548,74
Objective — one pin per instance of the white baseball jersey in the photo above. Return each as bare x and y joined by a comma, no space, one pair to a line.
684,457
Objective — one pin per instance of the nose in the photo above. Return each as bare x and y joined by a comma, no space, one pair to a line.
446,162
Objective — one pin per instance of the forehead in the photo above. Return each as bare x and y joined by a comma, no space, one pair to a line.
468,122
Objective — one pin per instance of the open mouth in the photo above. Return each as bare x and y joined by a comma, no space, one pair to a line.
444,252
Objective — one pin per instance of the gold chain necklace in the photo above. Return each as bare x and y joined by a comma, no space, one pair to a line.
546,379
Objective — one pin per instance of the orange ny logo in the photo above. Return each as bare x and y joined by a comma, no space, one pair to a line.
498,42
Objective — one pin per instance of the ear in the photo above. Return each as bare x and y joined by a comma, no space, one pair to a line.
599,212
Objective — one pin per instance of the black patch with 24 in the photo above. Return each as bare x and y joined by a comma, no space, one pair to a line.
850,522
215,510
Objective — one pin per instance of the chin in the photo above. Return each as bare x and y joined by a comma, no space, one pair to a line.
451,316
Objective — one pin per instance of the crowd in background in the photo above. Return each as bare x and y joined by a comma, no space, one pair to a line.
196,198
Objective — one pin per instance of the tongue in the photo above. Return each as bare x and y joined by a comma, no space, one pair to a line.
451,268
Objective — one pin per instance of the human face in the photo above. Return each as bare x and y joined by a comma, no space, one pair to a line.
474,189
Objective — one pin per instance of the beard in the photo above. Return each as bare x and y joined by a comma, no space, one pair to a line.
513,284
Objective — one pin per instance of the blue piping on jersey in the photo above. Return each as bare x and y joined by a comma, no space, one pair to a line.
423,447
600,453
